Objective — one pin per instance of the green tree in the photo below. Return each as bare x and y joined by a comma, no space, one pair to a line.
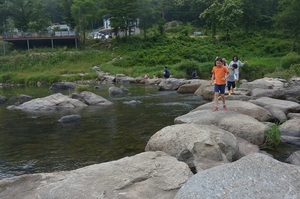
251,14
64,8
3,15
83,11
289,19
229,15
210,14
147,15
122,14
25,13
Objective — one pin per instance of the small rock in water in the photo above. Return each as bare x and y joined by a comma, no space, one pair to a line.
69,118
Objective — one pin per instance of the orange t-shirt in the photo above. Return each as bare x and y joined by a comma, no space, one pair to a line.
219,73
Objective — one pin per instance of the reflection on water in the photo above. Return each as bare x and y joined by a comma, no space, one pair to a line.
32,142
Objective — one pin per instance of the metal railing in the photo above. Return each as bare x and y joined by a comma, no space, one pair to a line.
16,35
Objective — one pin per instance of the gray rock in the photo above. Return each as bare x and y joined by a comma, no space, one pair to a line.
60,86
293,115
21,99
49,103
246,148
3,99
291,140
90,98
143,176
200,146
277,94
171,84
294,158
69,118
246,108
284,105
291,128
206,90
114,91
238,124
132,102
254,176
153,81
188,88
277,113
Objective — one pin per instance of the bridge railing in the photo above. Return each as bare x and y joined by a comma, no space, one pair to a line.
12,35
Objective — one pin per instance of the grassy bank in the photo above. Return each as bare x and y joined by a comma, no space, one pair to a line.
267,55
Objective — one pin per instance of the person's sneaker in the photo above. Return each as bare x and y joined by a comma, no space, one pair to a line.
215,109
225,108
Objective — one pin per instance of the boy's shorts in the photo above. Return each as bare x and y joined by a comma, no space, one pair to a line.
220,88
230,85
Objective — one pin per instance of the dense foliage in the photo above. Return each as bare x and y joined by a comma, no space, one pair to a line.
263,32
267,55
226,16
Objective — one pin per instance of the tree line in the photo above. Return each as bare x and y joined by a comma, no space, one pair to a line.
223,16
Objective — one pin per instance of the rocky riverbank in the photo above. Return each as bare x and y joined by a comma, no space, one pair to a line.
204,154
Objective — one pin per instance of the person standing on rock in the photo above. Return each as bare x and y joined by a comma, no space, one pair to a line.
231,80
219,75
235,60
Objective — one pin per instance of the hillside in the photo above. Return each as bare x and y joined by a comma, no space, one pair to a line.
266,54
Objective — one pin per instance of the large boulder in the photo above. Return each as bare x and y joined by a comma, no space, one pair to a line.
115,91
294,158
123,79
254,176
290,131
284,105
246,148
238,124
21,99
171,84
200,146
188,88
243,107
206,90
277,94
144,176
90,98
50,103
265,83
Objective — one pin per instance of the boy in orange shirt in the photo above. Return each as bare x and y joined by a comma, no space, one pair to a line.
219,76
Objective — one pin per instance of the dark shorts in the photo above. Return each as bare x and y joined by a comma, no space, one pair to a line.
220,88
230,85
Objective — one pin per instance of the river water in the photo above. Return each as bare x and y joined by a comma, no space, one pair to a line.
32,143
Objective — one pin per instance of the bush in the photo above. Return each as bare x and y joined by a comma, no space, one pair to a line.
188,66
290,59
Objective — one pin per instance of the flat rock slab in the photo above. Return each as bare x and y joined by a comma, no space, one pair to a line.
144,176
238,124
254,176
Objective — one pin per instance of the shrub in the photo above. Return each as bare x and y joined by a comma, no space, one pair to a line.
290,59
188,66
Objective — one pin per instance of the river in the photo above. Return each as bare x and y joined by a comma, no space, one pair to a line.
33,143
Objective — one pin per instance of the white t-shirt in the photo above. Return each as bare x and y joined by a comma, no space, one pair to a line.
239,64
